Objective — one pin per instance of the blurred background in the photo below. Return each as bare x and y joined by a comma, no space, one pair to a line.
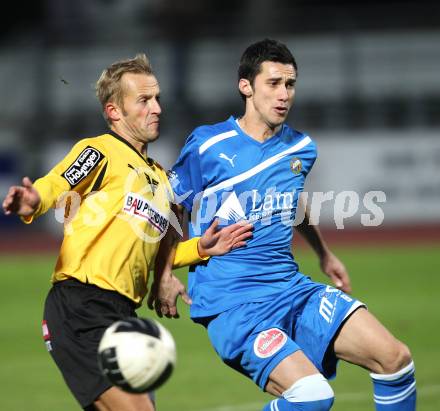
368,92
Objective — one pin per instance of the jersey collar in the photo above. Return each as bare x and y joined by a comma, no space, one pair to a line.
234,121
148,160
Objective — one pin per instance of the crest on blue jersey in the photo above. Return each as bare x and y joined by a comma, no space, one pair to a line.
296,165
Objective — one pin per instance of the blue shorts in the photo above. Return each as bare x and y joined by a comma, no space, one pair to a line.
254,338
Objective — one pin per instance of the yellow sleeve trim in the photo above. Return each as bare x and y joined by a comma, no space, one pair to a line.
187,253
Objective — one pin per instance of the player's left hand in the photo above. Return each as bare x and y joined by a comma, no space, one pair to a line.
336,271
163,296
220,241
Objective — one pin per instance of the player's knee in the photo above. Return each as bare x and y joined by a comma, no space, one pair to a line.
312,392
404,357
397,358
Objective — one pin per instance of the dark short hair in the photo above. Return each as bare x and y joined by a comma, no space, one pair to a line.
258,53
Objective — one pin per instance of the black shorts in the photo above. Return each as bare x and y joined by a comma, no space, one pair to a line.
75,318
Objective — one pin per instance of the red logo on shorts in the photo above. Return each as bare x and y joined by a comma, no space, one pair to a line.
269,342
46,334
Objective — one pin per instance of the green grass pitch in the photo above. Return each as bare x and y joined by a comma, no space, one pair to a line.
400,286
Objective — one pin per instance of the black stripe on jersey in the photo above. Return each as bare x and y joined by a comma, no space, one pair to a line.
83,165
123,140
98,181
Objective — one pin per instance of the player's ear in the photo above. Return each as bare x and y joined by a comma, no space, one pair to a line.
245,87
112,111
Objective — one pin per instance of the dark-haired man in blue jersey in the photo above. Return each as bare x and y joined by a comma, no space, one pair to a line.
264,318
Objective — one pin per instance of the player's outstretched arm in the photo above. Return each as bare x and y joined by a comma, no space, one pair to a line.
22,200
330,264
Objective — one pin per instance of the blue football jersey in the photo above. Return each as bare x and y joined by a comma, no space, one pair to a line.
224,173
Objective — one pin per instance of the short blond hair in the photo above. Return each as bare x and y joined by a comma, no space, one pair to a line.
109,87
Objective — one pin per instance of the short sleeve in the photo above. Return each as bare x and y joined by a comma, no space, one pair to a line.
78,171
186,177
80,166
187,253
309,157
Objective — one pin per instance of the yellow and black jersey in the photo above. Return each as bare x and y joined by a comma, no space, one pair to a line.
116,210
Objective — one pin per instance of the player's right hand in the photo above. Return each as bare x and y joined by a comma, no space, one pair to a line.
22,200
163,295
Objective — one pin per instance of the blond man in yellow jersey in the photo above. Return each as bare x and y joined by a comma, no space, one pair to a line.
117,205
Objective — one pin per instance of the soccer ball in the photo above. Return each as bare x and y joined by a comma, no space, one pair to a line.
137,354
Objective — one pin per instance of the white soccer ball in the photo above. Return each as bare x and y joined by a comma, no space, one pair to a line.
137,354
